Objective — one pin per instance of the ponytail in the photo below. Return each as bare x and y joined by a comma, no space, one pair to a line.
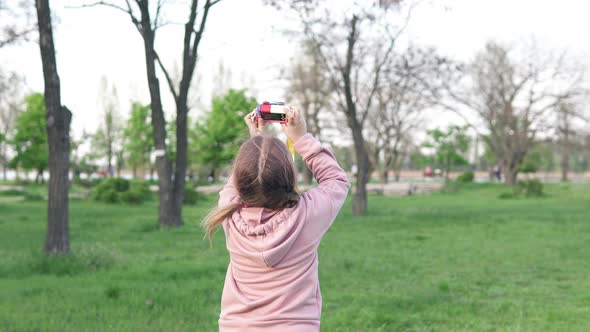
216,217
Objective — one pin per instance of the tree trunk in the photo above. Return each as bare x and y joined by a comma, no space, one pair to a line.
39,176
110,160
565,166
397,173
565,155
134,171
359,199
384,175
181,160
511,175
58,135
166,215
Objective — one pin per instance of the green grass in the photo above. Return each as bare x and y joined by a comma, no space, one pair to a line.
460,261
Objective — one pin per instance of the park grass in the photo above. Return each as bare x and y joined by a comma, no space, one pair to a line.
459,261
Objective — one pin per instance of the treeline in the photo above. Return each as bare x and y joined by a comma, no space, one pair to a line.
120,144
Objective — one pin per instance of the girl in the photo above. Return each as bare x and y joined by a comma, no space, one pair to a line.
272,233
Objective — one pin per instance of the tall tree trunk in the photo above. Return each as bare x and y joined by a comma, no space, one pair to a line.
134,171
163,167
58,135
181,159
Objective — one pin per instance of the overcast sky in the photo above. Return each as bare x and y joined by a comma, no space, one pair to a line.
247,38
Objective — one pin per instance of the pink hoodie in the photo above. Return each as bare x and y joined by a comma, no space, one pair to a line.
272,279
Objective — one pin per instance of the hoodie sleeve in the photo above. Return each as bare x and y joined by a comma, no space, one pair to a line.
323,202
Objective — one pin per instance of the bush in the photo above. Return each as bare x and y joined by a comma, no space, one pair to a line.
531,188
117,190
466,177
191,196
138,193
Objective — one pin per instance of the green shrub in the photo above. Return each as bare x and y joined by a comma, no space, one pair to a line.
191,196
132,197
141,187
466,177
531,188
120,190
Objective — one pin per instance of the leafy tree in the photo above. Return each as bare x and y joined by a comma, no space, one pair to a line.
450,146
30,139
139,138
145,16
215,139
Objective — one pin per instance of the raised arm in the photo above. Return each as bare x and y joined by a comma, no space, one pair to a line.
332,181
324,202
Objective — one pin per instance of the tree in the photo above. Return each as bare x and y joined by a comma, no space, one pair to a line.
216,140
310,89
108,136
449,147
10,106
58,133
171,173
567,114
138,137
16,22
80,163
30,139
409,88
513,98
353,46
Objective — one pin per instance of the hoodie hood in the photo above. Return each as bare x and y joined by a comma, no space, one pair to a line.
266,234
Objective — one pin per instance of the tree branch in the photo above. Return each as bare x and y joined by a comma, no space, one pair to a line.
168,78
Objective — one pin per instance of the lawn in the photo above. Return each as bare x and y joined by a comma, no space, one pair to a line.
464,261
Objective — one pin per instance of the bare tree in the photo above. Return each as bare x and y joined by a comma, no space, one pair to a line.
567,115
17,24
512,98
146,17
409,88
10,104
310,89
353,46
108,136
58,135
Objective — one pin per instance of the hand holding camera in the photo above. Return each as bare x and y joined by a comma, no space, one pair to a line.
290,119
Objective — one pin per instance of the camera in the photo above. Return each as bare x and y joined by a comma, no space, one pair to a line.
273,111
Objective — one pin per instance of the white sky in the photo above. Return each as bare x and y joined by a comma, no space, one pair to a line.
246,36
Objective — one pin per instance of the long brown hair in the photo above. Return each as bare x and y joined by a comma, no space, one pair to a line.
264,175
